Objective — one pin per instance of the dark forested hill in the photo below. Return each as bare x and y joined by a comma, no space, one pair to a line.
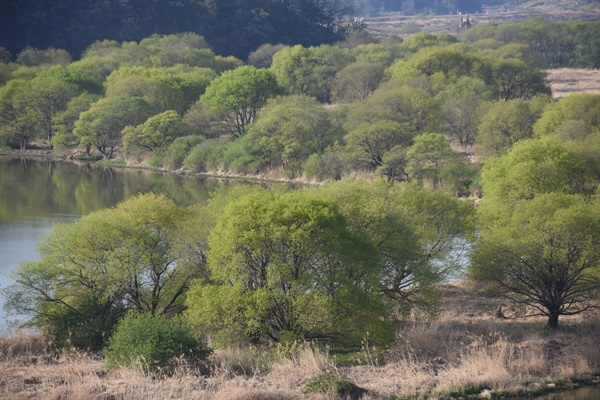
232,27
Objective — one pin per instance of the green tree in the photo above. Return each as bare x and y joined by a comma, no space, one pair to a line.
134,256
18,125
286,267
32,57
158,131
427,157
535,167
461,108
588,45
581,109
101,126
356,81
237,96
507,122
310,71
367,143
453,61
48,95
63,123
292,128
514,79
405,274
165,88
544,255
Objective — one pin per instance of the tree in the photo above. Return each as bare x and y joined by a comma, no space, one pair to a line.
63,123
33,57
158,131
461,108
239,95
453,61
134,256
262,57
582,109
514,79
405,274
310,71
535,167
507,122
286,267
427,157
49,95
290,129
18,125
101,126
367,143
164,88
546,255
356,81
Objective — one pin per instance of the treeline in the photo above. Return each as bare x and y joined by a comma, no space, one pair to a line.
232,27
407,110
253,266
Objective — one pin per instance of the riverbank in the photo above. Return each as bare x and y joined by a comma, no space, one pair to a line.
467,351
78,158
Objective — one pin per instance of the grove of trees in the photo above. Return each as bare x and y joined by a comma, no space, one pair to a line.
434,124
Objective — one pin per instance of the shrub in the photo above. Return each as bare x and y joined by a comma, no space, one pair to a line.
152,342
331,384
179,149
205,157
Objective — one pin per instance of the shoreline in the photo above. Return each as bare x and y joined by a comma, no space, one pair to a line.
65,156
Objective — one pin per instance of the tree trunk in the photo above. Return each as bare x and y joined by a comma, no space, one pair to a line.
553,319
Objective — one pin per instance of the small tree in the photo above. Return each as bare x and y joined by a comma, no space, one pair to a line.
545,255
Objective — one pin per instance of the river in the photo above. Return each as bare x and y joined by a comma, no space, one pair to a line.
34,195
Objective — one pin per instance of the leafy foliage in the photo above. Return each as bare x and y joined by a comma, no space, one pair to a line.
237,96
286,267
152,343
135,256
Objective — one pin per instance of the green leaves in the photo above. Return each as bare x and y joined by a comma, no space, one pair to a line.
289,268
134,256
238,96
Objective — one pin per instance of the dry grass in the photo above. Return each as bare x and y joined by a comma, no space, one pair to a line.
467,346
565,81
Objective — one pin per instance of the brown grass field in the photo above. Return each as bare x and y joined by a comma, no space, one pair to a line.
465,346
565,81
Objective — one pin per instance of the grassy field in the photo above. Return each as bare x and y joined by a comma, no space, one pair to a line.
467,349
565,81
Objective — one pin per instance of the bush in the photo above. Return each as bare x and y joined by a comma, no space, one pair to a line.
326,166
205,157
152,342
329,383
179,150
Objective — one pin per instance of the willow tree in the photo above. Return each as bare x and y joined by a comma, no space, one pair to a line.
135,256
